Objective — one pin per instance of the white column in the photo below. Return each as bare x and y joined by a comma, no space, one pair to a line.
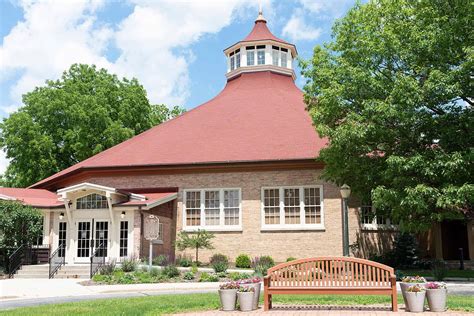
46,227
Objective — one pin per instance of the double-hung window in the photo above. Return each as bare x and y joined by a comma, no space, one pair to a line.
284,57
373,220
250,55
275,55
237,58
212,209
232,61
295,207
261,55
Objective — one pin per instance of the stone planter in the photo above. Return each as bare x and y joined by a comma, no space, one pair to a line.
228,299
256,293
245,301
403,287
415,301
437,299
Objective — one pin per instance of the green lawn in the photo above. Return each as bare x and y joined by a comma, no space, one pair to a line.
168,304
451,273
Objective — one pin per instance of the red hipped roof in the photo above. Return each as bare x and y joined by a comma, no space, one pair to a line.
258,116
33,197
260,32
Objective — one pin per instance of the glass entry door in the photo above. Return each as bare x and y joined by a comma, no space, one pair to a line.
83,240
101,237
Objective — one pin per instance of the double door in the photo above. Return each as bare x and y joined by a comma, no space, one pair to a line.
92,235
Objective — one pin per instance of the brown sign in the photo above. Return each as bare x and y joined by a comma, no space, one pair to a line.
151,227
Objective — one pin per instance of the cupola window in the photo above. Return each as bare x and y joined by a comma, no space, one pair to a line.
275,55
237,58
261,55
284,57
232,61
250,55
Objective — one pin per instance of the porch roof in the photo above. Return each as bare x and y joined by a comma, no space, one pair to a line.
151,199
35,197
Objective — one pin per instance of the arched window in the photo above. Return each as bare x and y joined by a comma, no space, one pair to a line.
91,201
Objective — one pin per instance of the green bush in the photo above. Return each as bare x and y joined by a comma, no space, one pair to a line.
154,272
108,268
262,264
184,261
170,271
194,268
126,279
206,277
290,259
188,275
439,270
234,276
129,264
161,260
219,262
222,275
242,261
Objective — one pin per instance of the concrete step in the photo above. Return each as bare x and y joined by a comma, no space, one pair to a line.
42,272
72,276
31,276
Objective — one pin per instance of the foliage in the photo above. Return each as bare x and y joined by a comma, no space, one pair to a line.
242,261
129,264
180,303
68,120
246,289
219,262
290,259
234,276
161,260
201,239
405,253
416,288
154,272
184,261
170,271
208,277
229,286
108,268
393,94
439,269
435,286
414,279
188,276
19,224
194,268
262,264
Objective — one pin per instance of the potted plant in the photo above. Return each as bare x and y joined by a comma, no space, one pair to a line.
255,283
415,296
406,283
245,295
436,294
228,295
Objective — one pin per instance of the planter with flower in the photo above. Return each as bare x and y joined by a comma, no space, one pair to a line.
256,284
415,296
245,296
409,281
228,295
436,294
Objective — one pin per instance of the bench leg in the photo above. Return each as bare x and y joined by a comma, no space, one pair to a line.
394,300
267,304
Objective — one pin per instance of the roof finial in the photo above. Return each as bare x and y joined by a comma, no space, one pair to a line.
260,17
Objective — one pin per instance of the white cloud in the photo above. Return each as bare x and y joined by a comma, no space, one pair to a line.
3,162
297,28
333,8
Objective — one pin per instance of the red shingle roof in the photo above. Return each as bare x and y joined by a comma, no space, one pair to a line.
151,198
260,32
33,197
258,116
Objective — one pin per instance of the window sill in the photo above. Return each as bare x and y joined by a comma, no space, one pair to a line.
294,228
375,227
213,229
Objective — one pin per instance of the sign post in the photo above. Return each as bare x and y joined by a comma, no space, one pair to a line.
151,232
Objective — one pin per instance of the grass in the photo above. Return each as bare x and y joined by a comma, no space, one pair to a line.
169,304
451,273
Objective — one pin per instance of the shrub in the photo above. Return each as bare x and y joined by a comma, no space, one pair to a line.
219,262
144,269
222,274
184,261
108,268
290,259
262,264
154,272
439,270
126,279
170,271
194,268
188,276
129,264
206,277
242,261
234,276
161,260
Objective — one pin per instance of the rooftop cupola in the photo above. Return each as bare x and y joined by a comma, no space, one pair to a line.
260,51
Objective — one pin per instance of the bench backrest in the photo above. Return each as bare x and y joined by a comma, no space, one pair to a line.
330,272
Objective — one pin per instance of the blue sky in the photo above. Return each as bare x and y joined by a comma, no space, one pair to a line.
174,48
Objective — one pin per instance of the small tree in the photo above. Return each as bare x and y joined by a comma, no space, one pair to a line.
19,224
199,240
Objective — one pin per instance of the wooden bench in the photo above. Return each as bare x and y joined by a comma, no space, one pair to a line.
330,275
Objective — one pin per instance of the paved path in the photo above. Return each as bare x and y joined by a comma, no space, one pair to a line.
30,292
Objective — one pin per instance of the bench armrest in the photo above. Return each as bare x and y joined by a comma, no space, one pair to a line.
266,281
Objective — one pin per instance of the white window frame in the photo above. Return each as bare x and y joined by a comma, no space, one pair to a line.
374,225
253,53
302,225
221,226
159,241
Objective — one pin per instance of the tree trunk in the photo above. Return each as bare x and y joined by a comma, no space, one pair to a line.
197,259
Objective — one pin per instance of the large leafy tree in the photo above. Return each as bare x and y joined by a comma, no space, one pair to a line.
19,224
393,93
70,119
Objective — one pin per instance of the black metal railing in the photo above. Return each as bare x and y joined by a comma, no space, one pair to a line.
22,255
56,260
97,259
